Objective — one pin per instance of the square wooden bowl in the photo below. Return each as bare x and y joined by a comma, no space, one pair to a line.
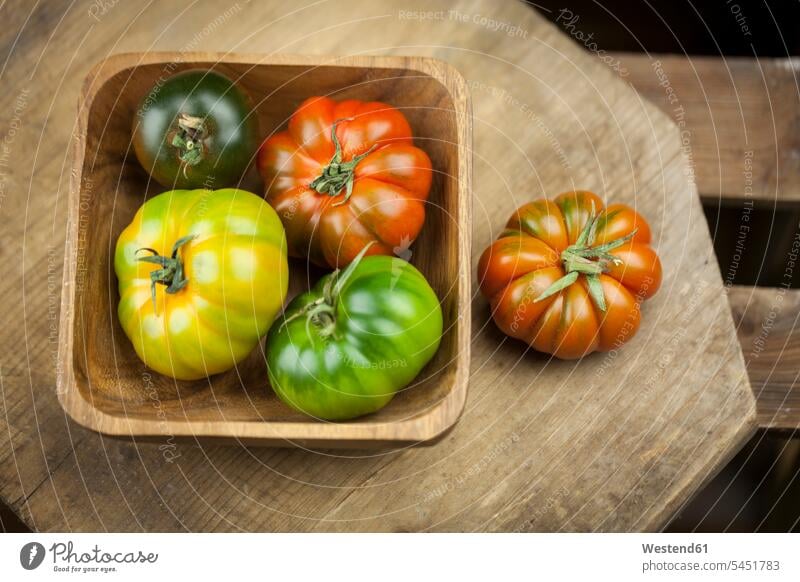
102,383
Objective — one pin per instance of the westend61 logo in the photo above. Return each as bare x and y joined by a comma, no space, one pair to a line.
67,559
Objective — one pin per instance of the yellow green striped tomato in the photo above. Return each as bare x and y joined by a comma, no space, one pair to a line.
202,275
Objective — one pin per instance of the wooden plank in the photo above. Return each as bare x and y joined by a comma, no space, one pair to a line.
611,443
739,119
768,324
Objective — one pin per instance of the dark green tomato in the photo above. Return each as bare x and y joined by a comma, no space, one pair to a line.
197,129
346,347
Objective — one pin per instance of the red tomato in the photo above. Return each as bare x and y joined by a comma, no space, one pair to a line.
567,276
345,174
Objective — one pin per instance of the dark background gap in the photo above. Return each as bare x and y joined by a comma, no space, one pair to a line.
760,258
684,27
9,522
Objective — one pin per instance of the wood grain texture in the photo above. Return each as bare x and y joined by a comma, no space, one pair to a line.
731,107
741,116
614,442
104,386
768,323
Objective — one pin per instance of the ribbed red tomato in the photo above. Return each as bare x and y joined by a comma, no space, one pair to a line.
345,174
567,276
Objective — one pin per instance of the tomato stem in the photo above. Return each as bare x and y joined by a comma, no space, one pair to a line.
582,258
189,139
339,175
322,311
171,273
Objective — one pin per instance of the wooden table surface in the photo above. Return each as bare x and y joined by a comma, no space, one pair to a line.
615,442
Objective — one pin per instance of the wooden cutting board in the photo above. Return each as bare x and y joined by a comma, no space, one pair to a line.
614,442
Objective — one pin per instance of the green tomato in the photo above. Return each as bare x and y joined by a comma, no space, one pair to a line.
346,347
197,129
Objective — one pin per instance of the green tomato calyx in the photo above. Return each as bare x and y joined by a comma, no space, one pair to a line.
171,273
339,175
189,139
322,311
582,258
